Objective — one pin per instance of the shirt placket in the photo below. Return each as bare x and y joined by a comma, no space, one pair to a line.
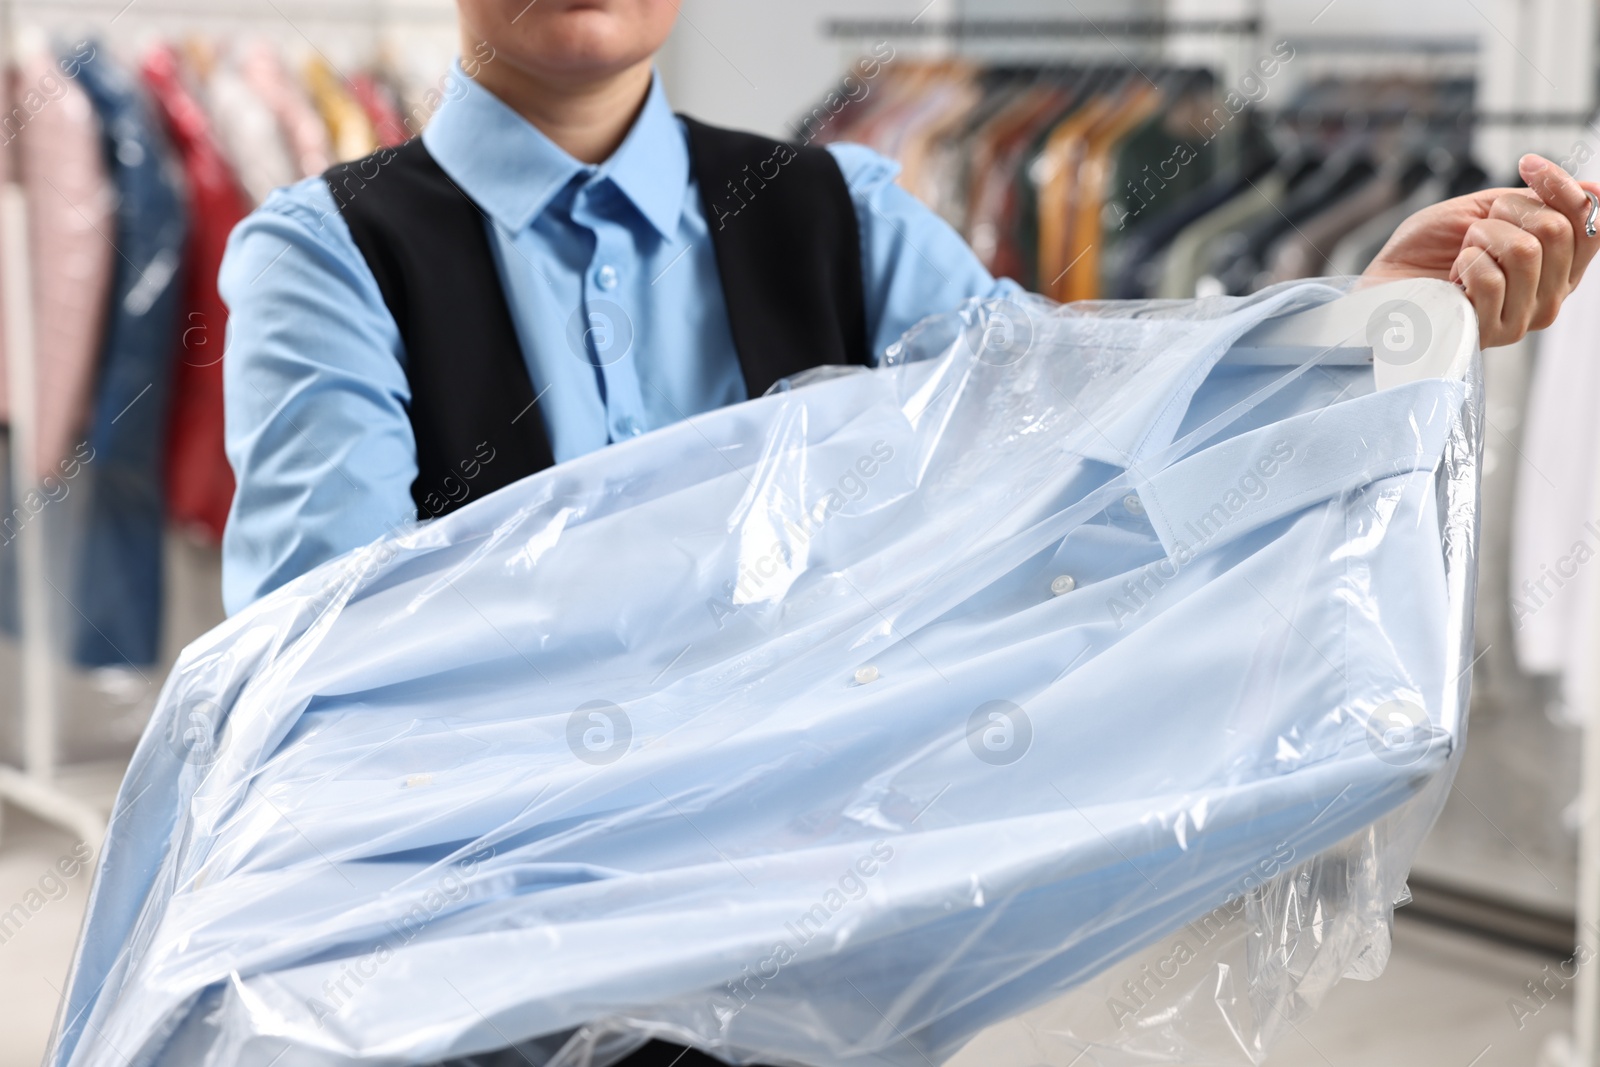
609,286
1115,543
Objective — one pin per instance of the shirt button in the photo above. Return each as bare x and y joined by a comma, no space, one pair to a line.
628,426
1066,583
606,277
865,675
1134,505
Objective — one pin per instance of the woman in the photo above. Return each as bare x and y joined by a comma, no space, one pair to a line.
558,233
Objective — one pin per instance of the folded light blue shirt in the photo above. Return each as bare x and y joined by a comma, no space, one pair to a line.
316,390
1053,644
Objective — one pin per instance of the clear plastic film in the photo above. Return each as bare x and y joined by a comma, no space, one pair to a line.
897,716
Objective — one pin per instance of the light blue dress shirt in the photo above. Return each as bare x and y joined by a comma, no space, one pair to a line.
614,292
1050,650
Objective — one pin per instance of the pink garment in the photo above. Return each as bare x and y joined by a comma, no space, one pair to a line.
248,130
71,223
302,127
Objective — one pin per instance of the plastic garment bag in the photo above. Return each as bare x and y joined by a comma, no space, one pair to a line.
842,726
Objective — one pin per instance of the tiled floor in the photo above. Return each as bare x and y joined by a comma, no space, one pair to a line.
38,933
1442,1002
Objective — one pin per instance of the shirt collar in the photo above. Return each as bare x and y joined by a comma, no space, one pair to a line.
1184,351
513,171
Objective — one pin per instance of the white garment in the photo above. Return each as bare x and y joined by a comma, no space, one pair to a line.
248,133
1555,533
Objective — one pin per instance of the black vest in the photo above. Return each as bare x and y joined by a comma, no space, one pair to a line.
787,246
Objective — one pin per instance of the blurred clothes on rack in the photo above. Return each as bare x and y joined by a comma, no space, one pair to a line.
134,180
1138,265
1299,253
1086,182
349,129
248,132
1039,167
998,150
382,108
71,204
199,480
118,589
308,138
1360,246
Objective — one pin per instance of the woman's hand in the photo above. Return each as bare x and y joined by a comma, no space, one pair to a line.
1516,252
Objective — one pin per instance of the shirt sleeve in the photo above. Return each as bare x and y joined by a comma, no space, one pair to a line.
914,264
315,396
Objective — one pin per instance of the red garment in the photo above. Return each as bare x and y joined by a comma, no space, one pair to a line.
199,480
378,103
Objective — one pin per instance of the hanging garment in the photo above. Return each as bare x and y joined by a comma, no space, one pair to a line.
1360,246
247,132
199,480
118,593
1031,173
991,203
1094,185
63,170
954,157
349,130
1140,259
301,127
378,103
1243,265
821,728
923,143
1165,163
1186,260
1305,252
1555,593
1054,173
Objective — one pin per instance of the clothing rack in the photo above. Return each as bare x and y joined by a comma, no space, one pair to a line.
34,786
1028,28
77,798
1363,44
1465,119
373,13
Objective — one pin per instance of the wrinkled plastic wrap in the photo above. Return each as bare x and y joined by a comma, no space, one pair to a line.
1060,690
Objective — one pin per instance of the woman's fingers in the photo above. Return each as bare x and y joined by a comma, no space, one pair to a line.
1566,196
1478,274
1499,267
1554,233
1518,253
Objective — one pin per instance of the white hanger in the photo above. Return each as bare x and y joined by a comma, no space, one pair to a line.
1407,330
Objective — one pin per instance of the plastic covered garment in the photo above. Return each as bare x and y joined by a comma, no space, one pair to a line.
847,725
